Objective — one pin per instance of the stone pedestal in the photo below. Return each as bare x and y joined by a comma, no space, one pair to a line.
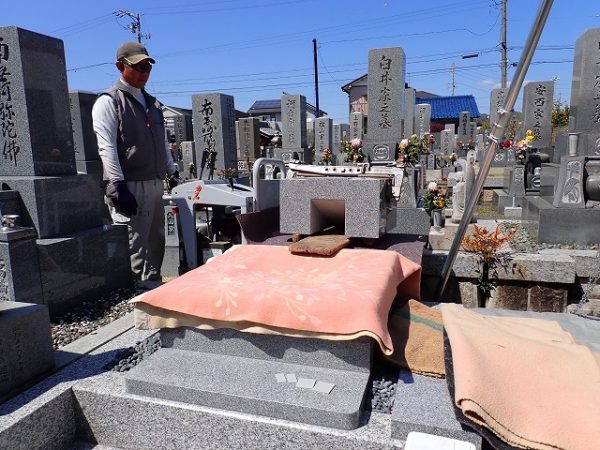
26,344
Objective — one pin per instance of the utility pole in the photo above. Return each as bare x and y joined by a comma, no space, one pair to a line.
453,72
317,112
135,25
503,47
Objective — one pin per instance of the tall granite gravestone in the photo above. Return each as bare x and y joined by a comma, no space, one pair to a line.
422,119
87,158
384,92
447,141
182,128
214,128
323,136
356,126
190,160
497,98
408,111
78,257
538,97
248,142
293,124
464,132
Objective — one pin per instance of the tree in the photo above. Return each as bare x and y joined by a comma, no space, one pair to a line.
560,114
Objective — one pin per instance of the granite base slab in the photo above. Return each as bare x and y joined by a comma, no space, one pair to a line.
115,418
251,386
562,225
423,404
354,355
81,265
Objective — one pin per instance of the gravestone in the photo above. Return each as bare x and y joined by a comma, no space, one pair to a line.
422,119
464,132
31,98
248,138
497,98
538,97
87,159
585,89
384,92
323,136
447,142
78,257
356,126
293,123
214,128
182,128
189,156
408,109
472,131
336,143
516,181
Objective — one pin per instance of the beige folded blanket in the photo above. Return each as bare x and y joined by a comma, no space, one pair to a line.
524,379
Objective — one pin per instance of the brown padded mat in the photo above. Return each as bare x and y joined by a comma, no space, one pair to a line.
326,244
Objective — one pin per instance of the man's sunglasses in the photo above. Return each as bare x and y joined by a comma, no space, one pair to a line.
143,67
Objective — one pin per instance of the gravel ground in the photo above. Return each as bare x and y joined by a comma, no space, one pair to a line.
91,315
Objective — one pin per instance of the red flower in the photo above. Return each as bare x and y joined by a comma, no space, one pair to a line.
506,143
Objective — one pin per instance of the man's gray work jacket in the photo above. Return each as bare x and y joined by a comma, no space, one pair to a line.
141,135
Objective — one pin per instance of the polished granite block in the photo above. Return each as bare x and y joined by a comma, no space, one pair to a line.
55,206
249,385
354,355
83,265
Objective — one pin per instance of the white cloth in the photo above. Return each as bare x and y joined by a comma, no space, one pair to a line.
106,124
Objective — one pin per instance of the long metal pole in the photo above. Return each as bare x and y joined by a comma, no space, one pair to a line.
496,135
317,112
503,47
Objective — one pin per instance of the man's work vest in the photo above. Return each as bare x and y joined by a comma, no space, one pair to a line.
141,135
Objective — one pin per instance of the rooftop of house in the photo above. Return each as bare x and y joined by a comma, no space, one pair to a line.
450,107
265,106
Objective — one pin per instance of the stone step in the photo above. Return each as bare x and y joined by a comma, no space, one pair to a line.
252,386
423,404
116,418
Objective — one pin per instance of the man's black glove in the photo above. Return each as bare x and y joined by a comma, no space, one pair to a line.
119,196
173,179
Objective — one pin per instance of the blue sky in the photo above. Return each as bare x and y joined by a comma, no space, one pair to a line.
257,49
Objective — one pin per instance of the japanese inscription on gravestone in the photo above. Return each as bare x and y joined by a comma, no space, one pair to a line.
537,109
356,125
423,119
35,122
386,82
214,129
585,89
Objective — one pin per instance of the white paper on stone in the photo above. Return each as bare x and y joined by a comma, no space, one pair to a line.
291,377
306,383
424,441
280,377
324,387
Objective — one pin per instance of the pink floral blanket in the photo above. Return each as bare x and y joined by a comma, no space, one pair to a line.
337,297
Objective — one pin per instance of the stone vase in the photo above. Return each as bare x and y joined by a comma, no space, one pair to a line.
437,215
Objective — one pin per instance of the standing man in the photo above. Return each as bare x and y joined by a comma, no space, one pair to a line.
129,127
